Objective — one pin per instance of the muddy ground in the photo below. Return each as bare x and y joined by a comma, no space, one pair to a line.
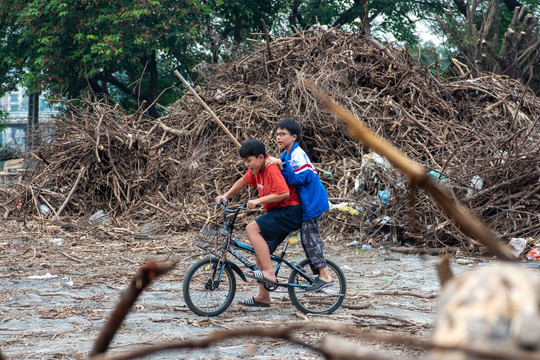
58,288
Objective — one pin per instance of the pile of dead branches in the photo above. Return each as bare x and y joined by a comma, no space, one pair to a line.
480,137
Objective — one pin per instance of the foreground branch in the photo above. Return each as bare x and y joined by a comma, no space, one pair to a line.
147,273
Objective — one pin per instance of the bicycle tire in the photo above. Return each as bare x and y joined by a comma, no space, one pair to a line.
324,301
202,294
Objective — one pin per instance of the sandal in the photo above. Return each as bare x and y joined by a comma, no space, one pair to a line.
250,301
258,275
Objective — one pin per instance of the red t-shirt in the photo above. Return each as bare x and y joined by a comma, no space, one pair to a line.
270,181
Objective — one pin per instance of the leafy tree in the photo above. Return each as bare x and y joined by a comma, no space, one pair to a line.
395,18
105,47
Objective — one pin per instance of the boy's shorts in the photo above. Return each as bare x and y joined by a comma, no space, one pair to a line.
277,223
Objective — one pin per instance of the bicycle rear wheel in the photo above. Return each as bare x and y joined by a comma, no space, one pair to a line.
323,301
209,287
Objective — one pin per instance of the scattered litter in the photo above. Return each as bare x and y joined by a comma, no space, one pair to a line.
345,207
100,218
41,277
56,241
151,228
462,261
366,247
383,220
294,239
534,254
476,184
44,209
438,176
517,245
328,174
384,196
353,243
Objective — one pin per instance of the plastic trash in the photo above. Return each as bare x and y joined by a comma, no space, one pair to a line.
476,184
56,241
366,247
438,176
294,239
462,261
345,207
41,277
151,228
329,174
100,218
353,243
349,209
517,245
534,254
384,196
44,209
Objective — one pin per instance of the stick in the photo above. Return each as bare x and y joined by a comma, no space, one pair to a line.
207,108
70,193
267,39
142,279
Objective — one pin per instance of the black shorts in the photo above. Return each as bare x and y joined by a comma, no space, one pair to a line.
277,223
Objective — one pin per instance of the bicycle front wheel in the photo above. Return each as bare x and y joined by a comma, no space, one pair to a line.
209,287
323,301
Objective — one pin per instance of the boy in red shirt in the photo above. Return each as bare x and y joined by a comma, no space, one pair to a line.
283,214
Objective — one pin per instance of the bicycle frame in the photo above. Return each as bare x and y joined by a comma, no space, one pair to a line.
231,246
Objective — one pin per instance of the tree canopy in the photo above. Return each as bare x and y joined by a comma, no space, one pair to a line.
127,50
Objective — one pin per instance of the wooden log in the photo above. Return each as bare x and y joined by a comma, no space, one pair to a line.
68,198
229,134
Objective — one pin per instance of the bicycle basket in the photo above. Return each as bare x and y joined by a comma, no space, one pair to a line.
211,239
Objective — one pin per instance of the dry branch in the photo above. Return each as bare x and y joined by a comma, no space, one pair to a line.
145,276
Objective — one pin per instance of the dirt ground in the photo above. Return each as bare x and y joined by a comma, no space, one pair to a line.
58,288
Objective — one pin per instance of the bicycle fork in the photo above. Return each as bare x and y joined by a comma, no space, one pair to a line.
215,276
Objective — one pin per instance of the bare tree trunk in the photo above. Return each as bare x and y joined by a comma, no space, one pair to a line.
32,128
484,51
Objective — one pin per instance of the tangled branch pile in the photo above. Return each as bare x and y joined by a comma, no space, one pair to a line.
478,136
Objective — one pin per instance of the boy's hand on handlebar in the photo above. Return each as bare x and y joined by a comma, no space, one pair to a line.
221,198
252,204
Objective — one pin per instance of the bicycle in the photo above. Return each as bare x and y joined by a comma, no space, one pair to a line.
210,284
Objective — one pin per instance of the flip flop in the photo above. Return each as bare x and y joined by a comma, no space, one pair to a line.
319,284
250,301
258,275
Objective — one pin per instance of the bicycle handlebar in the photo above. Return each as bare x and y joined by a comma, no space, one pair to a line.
242,206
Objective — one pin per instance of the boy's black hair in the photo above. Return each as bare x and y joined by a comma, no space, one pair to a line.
290,124
252,147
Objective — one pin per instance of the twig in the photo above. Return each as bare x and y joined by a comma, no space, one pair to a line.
147,273
70,257
70,193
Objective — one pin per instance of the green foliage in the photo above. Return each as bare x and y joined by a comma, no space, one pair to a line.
126,50
69,46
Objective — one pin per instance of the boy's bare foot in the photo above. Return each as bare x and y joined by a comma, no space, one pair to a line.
324,275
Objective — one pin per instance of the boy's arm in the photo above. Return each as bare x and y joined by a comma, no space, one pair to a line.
238,185
296,178
252,204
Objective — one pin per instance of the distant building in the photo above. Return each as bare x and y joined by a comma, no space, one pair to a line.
15,103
